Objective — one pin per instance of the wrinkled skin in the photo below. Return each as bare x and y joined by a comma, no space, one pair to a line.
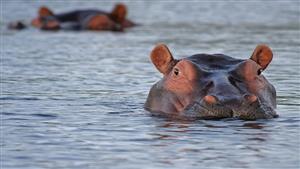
205,86
88,19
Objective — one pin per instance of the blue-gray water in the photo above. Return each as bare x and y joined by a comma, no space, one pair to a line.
75,99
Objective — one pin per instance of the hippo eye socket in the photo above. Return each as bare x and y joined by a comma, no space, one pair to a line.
259,71
176,71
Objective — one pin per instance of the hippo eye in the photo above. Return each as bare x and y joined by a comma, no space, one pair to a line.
259,71
176,71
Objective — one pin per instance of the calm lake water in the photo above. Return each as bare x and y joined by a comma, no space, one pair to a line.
75,99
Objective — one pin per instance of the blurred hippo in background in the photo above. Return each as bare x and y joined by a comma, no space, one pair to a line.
212,86
17,25
88,19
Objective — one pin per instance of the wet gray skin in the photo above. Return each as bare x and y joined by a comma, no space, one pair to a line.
205,86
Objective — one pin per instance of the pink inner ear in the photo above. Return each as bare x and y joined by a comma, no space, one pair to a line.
44,11
119,13
161,57
262,55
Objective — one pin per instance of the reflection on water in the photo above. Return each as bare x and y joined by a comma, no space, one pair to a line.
253,125
75,99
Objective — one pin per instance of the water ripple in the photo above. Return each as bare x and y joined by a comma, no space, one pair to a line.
75,99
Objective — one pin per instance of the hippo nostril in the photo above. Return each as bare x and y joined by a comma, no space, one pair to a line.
250,98
210,99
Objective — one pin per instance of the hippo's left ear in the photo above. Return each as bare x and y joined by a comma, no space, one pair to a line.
262,55
162,58
45,11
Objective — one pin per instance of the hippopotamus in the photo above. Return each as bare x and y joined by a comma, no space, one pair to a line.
212,86
86,19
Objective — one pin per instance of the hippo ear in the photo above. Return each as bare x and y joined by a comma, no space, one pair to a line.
162,58
119,13
262,55
44,12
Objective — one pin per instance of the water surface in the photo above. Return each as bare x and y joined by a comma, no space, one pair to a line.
75,99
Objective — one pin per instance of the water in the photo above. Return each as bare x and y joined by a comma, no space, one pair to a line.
74,99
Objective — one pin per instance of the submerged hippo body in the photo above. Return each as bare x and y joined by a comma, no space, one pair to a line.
88,19
214,86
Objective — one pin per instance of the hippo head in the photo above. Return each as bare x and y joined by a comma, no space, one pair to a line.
213,86
45,20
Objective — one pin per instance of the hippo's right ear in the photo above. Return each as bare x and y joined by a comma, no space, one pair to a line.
44,12
162,58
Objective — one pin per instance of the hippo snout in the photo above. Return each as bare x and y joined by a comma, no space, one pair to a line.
249,107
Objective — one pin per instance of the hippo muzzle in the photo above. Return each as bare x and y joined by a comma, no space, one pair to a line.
250,108
215,86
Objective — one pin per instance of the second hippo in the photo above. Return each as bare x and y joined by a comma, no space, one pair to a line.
86,19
